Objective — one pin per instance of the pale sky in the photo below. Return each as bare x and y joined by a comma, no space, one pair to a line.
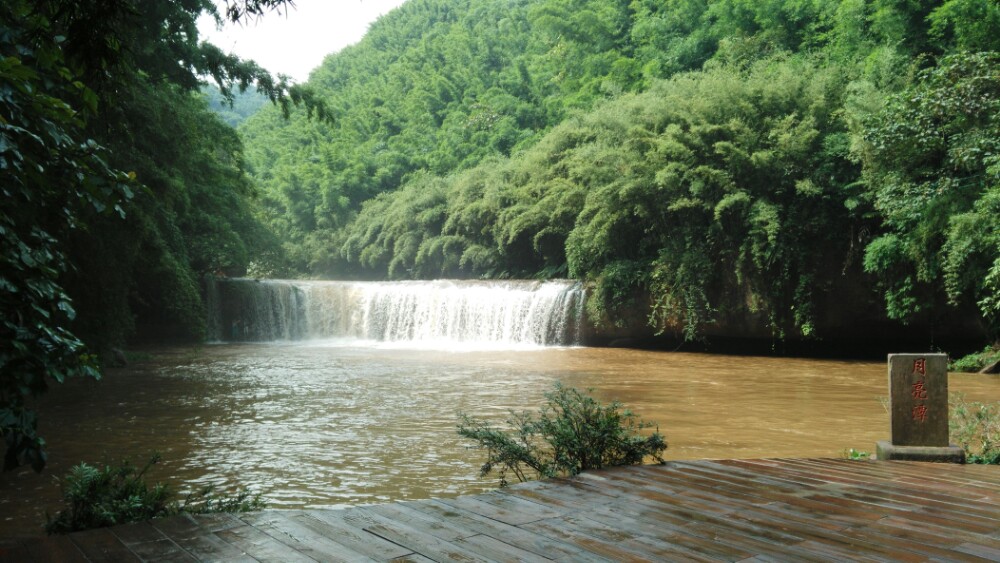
295,43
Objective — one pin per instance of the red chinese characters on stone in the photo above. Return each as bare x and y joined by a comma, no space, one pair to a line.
919,391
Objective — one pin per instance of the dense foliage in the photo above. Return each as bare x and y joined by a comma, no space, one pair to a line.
49,170
120,188
932,160
572,433
713,160
99,497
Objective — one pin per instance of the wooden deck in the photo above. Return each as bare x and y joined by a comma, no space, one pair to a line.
728,510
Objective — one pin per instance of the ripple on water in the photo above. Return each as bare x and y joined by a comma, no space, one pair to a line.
319,425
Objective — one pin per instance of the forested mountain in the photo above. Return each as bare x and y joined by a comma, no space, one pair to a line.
716,160
236,110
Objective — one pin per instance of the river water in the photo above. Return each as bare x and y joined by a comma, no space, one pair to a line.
328,423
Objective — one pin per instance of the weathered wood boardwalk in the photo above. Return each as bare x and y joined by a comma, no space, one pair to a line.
728,510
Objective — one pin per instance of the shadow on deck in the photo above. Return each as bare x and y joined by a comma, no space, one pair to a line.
723,510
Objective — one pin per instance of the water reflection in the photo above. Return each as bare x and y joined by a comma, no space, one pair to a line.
319,425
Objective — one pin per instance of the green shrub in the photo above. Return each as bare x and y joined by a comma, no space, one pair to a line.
572,433
978,360
975,427
112,495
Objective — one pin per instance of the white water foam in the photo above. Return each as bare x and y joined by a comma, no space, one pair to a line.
442,314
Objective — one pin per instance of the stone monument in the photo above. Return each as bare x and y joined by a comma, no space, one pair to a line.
918,405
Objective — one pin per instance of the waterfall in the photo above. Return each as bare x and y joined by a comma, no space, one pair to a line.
433,313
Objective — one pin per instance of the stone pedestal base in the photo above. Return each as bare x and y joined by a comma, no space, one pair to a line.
885,450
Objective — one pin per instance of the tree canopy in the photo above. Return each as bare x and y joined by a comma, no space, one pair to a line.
712,160
120,188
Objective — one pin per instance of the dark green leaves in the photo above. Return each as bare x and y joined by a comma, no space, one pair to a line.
931,161
50,170
571,433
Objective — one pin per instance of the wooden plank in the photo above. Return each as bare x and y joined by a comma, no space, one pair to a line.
943,474
836,553
179,526
200,542
412,558
939,541
408,537
681,517
650,490
664,525
811,526
959,534
876,538
939,493
883,509
102,545
331,523
502,511
743,468
773,525
968,513
712,508
760,481
639,520
923,545
893,473
261,546
415,519
210,547
536,543
603,511
886,508
620,545
161,550
148,543
979,550
137,532
737,497
693,516
218,521
836,541
507,500
53,548
496,550
280,525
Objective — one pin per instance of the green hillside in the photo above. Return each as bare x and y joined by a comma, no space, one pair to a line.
712,159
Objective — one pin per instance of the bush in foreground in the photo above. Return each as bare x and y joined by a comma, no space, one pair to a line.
975,427
112,495
572,433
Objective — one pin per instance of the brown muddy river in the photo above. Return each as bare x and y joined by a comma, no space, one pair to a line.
324,425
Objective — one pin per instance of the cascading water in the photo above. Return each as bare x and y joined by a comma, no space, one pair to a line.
433,313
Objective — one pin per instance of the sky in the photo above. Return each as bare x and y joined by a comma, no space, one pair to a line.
294,43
